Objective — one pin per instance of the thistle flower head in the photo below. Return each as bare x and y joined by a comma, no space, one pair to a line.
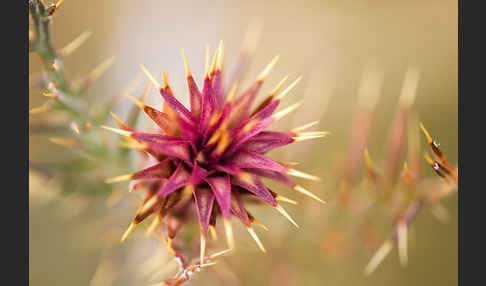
211,157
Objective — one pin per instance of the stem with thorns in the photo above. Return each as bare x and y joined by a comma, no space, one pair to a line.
66,95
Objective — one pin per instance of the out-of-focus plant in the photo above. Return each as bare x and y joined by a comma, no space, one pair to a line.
84,172
399,190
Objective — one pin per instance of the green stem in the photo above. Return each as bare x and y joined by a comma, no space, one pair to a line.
42,45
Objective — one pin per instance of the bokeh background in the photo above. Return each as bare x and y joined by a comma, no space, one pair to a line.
73,239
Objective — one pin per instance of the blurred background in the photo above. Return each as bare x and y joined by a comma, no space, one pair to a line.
74,239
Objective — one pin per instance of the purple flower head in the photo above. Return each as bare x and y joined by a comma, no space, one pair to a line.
211,157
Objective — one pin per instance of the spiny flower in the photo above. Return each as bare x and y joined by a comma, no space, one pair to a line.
211,157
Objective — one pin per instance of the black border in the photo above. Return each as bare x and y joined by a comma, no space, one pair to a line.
14,151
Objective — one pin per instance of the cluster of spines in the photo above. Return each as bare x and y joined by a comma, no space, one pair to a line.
224,124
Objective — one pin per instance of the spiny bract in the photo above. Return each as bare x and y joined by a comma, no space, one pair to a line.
212,152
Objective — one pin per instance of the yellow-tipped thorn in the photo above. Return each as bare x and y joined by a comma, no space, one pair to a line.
150,203
101,68
257,223
118,121
64,142
206,65
281,198
186,64
128,231
426,133
135,100
213,65
290,164
295,173
150,77
279,86
76,43
220,253
232,92
40,109
169,245
304,136
229,233
380,254
307,193
314,133
117,179
402,242
116,130
208,264
133,145
214,234
154,224
428,159
257,240
58,4
202,249
268,68
165,78
304,127
286,111
281,210
288,89
219,63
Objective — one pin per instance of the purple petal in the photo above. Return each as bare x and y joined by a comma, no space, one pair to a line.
228,167
195,97
217,80
175,105
250,159
240,136
160,118
268,140
244,101
155,138
157,171
222,190
255,186
208,104
238,209
198,174
204,203
279,177
174,149
176,181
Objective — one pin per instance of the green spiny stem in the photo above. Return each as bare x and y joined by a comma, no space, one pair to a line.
69,99
43,46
